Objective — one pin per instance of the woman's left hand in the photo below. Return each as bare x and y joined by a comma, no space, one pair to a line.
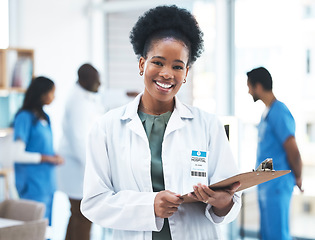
59,160
221,200
55,159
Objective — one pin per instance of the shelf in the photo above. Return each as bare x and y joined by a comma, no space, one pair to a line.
16,67
4,92
16,73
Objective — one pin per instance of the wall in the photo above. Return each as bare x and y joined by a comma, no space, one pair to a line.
59,32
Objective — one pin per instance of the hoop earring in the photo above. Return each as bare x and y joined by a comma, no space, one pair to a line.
141,73
184,80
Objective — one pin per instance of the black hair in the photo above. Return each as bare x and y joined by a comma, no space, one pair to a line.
33,96
88,76
86,71
167,21
262,76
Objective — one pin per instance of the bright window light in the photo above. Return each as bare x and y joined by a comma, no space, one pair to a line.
4,23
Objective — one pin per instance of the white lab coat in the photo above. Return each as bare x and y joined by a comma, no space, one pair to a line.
81,110
117,186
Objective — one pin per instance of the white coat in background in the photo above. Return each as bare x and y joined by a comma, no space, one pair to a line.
117,187
81,110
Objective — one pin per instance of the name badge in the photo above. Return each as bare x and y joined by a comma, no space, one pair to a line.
199,166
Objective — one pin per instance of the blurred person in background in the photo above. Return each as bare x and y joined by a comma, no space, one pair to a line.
81,109
276,140
34,155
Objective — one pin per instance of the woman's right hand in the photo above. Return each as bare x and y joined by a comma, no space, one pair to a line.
55,159
166,203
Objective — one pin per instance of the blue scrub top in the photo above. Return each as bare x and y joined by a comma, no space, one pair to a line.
273,130
34,181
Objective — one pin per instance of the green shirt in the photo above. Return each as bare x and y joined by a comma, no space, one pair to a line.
155,127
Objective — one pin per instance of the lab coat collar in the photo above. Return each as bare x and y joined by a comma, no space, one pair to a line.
132,108
85,93
180,112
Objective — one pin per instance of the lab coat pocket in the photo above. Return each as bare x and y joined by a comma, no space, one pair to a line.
121,167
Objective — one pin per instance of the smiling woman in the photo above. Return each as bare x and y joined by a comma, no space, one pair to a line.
141,157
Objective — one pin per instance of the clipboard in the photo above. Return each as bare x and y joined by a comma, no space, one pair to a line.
247,180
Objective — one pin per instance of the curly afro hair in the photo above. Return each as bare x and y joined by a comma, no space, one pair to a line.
163,22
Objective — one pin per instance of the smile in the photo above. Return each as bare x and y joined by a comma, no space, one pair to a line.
164,85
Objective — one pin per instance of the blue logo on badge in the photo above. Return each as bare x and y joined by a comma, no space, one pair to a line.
198,153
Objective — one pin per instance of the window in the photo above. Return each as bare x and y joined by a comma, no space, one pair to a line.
4,24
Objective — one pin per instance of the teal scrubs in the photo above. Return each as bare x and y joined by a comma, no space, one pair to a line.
35,181
275,195
155,127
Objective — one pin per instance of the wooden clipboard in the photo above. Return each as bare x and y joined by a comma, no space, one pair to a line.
247,180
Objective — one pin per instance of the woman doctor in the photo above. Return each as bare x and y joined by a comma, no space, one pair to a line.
143,156
34,156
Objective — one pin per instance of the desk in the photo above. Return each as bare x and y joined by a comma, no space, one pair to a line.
6,222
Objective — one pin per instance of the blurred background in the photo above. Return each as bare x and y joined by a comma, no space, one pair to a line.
54,38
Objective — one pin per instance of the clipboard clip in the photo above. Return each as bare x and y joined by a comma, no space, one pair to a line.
266,165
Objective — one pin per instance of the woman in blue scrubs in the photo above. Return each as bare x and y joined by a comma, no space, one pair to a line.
35,159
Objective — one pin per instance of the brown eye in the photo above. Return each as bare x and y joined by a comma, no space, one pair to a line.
158,63
178,67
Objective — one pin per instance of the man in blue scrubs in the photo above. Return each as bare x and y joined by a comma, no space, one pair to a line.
276,140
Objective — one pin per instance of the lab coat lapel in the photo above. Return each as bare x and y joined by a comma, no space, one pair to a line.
176,121
136,126
134,122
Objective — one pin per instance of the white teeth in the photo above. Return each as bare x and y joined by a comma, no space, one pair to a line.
164,85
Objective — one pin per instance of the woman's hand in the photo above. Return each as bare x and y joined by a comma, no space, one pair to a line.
166,203
298,182
221,200
55,159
